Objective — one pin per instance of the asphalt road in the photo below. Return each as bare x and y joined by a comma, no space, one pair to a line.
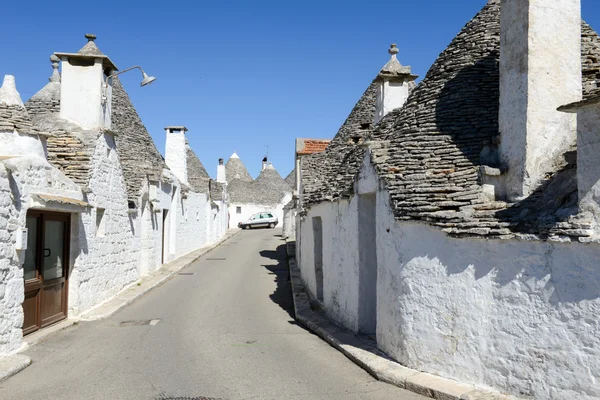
224,330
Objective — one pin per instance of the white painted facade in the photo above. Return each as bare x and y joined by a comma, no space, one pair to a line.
517,316
113,242
247,210
106,259
24,174
289,224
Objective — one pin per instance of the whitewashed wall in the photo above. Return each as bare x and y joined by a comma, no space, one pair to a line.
517,316
249,209
289,224
108,263
28,173
340,259
11,273
192,229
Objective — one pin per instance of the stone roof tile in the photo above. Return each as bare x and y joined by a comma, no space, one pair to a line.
428,153
140,159
235,169
198,178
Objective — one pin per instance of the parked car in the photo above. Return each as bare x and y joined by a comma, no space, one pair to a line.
262,219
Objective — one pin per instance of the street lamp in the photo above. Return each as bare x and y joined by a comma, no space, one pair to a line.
146,79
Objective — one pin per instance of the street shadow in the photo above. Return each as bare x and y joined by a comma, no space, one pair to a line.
282,296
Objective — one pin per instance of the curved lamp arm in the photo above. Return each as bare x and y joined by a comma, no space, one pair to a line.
145,78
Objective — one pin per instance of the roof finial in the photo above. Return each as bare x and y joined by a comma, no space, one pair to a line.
393,50
90,37
55,75
8,92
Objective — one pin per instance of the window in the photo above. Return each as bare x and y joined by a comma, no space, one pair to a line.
100,222
238,210
269,215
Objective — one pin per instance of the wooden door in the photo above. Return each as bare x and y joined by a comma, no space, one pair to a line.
46,270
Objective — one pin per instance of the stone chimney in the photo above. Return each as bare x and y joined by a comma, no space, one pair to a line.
85,99
395,82
588,148
221,175
540,70
176,151
264,164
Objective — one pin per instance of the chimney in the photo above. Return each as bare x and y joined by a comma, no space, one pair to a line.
394,85
540,70
85,99
176,152
588,148
264,164
221,175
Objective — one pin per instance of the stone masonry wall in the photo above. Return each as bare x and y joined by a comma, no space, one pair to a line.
11,275
107,262
515,315
192,230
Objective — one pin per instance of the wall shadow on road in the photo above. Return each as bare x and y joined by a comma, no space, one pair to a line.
282,296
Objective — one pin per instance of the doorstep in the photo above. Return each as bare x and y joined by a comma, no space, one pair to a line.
362,351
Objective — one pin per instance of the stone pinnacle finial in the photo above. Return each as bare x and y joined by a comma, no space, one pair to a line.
8,92
393,50
90,37
55,75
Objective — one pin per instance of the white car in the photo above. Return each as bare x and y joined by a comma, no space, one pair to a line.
262,219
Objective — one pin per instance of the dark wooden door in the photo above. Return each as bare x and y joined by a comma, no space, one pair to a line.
46,270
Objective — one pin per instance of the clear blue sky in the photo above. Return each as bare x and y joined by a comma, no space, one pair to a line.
239,74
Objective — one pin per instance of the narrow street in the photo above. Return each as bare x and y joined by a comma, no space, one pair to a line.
222,328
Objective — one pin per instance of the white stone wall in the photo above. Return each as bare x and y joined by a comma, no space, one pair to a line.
517,316
192,229
249,209
289,224
11,274
15,144
340,259
106,263
27,174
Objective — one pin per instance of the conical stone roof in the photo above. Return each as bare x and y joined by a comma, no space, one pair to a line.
291,179
140,159
268,189
47,100
270,179
429,153
235,169
198,178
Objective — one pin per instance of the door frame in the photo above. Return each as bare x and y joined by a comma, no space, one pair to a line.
38,282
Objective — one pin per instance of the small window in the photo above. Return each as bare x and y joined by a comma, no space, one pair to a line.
269,215
238,210
100,222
